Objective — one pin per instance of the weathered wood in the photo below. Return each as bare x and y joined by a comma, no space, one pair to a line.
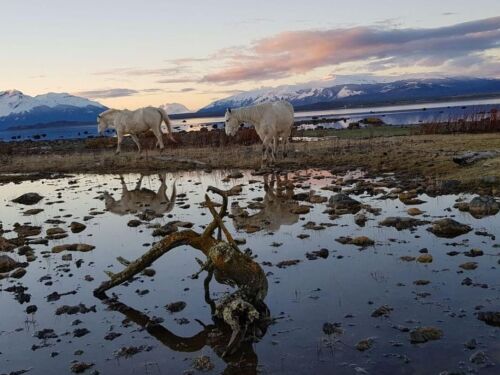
472,157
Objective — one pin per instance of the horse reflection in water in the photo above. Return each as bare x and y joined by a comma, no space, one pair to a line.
141,199
276,208
239,319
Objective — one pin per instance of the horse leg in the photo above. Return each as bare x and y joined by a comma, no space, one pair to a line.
274,148
120,140
136,140
157,133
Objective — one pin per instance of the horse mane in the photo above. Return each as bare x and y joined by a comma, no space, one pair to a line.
253,112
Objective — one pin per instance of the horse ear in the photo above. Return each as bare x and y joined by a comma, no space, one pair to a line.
229,110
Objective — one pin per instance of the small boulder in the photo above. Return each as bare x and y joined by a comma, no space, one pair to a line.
483,206
28,199
423,334
449,228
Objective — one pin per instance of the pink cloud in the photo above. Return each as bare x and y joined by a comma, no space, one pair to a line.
301,51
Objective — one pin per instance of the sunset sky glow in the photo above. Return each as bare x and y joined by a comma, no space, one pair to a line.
128,54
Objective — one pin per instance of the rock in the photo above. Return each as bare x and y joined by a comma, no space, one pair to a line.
32,211
364,344
471,157
31,309
18,273
77,227
176,306
414,211
287,263
424,334
73,247
472,253
149,272
362,241
46,334
313,255
360,219
6,245
77,309
483,206
80,332
341,203
27,230
491,318
129,351
471,344
410,198
111,336
421,282
462,206
79,367
54,231
7,264
332,329
165,230
469,266
449,228
425,258
401,223
28,199
203,363
235,175
407,258
383,310
478,358
134,223
315,199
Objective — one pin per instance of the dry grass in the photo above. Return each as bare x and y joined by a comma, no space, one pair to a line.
410,156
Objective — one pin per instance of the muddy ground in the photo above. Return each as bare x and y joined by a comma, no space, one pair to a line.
426,157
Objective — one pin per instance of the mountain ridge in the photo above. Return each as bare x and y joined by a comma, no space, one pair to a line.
363,94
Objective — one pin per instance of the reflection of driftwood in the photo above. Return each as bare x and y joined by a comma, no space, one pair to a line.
215,336
472,157
229,266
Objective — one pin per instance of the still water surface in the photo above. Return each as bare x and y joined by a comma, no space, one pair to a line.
345,288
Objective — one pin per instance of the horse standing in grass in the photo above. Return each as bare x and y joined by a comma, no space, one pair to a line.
271,121
135,122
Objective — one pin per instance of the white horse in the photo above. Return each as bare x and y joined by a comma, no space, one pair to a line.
270,120
135,122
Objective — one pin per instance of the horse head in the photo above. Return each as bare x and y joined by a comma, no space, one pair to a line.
231,123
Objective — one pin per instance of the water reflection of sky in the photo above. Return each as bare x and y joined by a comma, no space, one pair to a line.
306,295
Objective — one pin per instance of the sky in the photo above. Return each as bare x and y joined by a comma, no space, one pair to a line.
129,54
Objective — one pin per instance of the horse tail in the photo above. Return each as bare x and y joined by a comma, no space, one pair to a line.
166,120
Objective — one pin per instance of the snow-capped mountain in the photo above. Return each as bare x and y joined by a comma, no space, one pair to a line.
18,109
334,94
175,108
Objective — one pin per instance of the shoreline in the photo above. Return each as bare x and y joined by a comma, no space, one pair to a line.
409,157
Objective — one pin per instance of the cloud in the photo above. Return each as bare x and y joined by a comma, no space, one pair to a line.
107,93
115,93
141,71
176,80
298,52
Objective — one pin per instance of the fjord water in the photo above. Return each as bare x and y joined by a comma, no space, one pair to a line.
408,114
344,288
